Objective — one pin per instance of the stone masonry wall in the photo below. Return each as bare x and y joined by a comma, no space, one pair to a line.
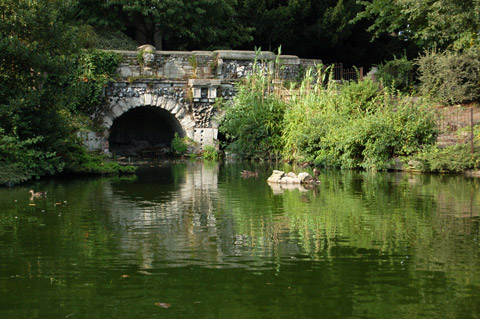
227,65
186,84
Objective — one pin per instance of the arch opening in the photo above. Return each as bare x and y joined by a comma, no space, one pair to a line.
143,131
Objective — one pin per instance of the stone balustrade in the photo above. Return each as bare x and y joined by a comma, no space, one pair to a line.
227,65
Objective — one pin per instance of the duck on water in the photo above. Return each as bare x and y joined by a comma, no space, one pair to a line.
34,194
248,174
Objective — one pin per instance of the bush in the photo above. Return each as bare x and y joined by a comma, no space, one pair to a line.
114,40
252,124
397,73
353,126
24,160
94,69
451,159
179,145
450,77
80,161
210,153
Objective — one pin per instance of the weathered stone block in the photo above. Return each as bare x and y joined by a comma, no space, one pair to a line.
173,71
187,122
136,101
117,111
181,113
172,106
123,105
161,102
147,99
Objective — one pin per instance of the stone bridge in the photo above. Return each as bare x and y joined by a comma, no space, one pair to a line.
160,93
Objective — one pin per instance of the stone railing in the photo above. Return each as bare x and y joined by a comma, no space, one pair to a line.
225,65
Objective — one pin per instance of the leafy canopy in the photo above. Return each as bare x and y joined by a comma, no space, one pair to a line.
433,23
183,23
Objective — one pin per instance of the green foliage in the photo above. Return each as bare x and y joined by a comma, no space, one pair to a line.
47,87
104,38
94,69
451,159
179,145
253,122
352,125
308,28
110,39
436,23
355,126
193,63
36,45
397,73
82,162
361,95
450,77
21,160
140,57
210,153
188,24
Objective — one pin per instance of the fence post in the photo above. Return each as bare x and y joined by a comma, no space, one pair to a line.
361,73
471,130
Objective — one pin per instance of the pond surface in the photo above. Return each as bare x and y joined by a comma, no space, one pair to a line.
194,240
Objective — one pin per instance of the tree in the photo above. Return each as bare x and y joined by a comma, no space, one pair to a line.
432,23
315,29
181,24
35,41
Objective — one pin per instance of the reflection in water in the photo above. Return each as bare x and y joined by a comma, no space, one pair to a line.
211,244
278,188
173,226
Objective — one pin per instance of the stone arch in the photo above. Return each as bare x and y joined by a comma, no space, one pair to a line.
171,112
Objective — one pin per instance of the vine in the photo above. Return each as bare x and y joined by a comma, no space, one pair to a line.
94,70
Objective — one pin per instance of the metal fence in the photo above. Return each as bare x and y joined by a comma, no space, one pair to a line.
341,73
456,125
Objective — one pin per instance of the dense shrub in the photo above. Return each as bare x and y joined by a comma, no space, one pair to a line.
21,160
353,125
450,77
114,40
82,162
93,70
350,127
179,145
397,73
252,124
210,153
451,159
46,84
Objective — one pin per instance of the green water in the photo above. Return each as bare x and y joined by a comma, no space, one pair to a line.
195,240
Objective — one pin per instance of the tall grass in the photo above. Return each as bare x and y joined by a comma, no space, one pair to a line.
355,125
349,125
253,123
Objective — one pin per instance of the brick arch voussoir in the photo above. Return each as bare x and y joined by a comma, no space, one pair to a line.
177,109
